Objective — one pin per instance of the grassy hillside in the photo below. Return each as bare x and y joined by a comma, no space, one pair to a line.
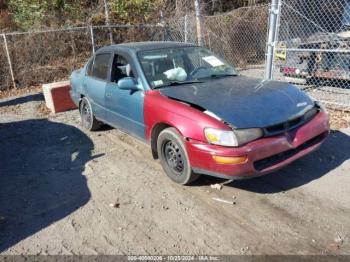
24,15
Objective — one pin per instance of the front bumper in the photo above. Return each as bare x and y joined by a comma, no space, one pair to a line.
264,155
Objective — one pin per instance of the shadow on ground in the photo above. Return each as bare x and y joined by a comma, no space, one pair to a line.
41,179
22,100
334,152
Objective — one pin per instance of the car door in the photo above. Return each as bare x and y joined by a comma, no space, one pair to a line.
95,83
125,107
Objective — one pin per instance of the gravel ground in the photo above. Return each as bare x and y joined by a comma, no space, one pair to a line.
67,191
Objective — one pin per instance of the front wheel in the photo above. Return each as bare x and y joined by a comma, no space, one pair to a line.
173,156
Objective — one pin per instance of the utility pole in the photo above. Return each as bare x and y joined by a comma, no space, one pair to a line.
197,7
107,21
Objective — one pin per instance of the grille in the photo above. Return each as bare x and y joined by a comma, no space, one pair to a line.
291,124
275,159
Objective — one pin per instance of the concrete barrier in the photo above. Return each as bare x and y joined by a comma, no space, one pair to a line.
57,96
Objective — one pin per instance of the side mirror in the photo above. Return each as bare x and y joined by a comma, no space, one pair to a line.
128,83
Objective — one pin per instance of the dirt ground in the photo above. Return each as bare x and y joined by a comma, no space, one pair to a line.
67,191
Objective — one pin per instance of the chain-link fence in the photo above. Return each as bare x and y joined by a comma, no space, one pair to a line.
239,36
47,55
116,34
313,48
51,55
181,29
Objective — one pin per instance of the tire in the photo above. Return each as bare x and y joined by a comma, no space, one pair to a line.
173,157
88,120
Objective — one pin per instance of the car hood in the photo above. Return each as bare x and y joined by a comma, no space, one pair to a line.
244,102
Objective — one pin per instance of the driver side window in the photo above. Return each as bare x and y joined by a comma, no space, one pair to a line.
121,68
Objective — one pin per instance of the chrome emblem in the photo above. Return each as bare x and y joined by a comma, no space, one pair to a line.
301,104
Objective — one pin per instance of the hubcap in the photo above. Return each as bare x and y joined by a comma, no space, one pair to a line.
85,114
174,157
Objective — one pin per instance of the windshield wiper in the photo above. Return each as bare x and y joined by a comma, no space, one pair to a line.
177,83
219,75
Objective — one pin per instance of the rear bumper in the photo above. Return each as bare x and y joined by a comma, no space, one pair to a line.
264,155
75,97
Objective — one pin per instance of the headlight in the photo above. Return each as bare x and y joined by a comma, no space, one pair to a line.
232,138
247,135
220,137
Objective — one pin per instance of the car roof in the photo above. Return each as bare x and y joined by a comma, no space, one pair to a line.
144,46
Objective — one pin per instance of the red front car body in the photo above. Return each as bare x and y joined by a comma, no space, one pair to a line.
264,155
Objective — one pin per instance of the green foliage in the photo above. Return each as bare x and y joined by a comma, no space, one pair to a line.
29,13
135,11
34,13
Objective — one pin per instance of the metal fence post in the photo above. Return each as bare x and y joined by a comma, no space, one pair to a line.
164,25
198,21
92,39
186,29
272,37
107,21
9,61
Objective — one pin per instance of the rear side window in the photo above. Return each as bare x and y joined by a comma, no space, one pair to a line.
100,66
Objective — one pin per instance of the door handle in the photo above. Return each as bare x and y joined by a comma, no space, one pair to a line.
108,94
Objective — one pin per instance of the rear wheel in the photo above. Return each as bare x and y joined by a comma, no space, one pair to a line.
88,119
173,156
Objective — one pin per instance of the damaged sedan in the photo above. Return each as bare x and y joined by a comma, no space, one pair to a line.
197,113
